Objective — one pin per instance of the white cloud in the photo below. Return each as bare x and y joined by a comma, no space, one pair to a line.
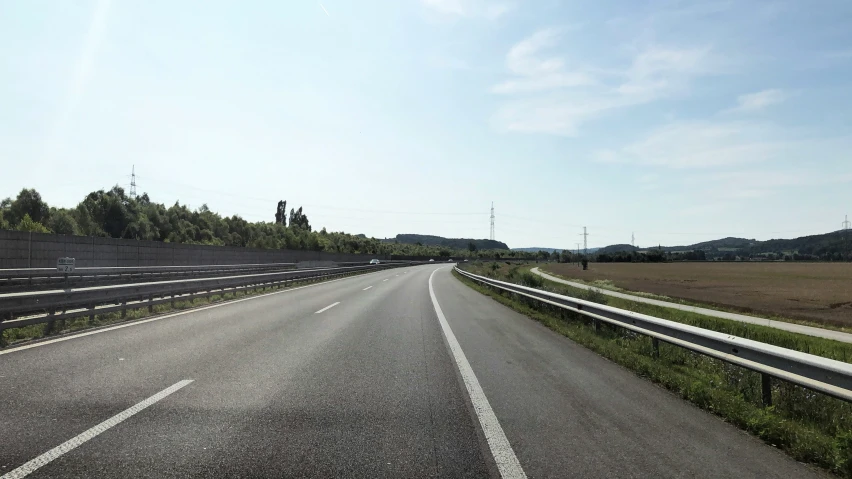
567,96
535,74
469,8
557,114
657,71
759,100
754,183
699,144
493,12
737,159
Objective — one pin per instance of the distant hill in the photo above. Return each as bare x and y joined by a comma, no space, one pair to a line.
814,244
615,248
729,242
457,243
828,246
536,250
549,250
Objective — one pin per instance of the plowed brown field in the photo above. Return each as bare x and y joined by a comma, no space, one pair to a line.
820,292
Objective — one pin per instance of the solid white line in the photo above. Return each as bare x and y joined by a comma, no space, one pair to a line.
172,315
504,455
327,307
365,289
79,440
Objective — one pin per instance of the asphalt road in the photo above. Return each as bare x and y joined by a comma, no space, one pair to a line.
358,377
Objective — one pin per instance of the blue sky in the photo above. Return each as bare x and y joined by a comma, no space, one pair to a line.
681,121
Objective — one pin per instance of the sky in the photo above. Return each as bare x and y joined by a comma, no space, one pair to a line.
670,121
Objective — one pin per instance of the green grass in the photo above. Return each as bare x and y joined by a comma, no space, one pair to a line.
810,427
14,336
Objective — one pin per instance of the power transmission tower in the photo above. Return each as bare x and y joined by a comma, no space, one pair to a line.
492,220
633,240
846,225
578,254
133,182
585,241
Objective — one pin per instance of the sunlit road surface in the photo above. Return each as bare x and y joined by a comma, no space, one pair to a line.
378,375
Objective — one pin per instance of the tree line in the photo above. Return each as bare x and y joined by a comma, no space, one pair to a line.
112,213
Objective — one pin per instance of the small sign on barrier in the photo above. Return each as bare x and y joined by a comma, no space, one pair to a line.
65,265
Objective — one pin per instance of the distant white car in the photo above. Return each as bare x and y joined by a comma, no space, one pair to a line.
432,260
374,261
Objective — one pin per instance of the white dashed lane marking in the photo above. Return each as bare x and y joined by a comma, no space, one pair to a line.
327,307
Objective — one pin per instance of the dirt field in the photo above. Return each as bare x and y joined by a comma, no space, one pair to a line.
820,292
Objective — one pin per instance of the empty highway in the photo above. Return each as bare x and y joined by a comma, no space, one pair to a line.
396,373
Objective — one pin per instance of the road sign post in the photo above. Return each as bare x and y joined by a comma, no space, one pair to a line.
65,265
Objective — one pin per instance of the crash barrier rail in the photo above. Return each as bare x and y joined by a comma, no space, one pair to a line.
824,375
17,273
37,307
24,279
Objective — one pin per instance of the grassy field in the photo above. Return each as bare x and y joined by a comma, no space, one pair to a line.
811,427
814,292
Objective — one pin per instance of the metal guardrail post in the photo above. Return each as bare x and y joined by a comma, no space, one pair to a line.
50,324
150,305
655,344
766,389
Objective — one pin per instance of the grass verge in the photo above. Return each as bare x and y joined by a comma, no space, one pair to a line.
16,336
810,427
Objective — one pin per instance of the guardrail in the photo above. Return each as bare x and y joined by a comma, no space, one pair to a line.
824,375
94,271
37,307
24,279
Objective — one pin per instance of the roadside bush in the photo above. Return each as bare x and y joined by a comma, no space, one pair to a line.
595,296
531,280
